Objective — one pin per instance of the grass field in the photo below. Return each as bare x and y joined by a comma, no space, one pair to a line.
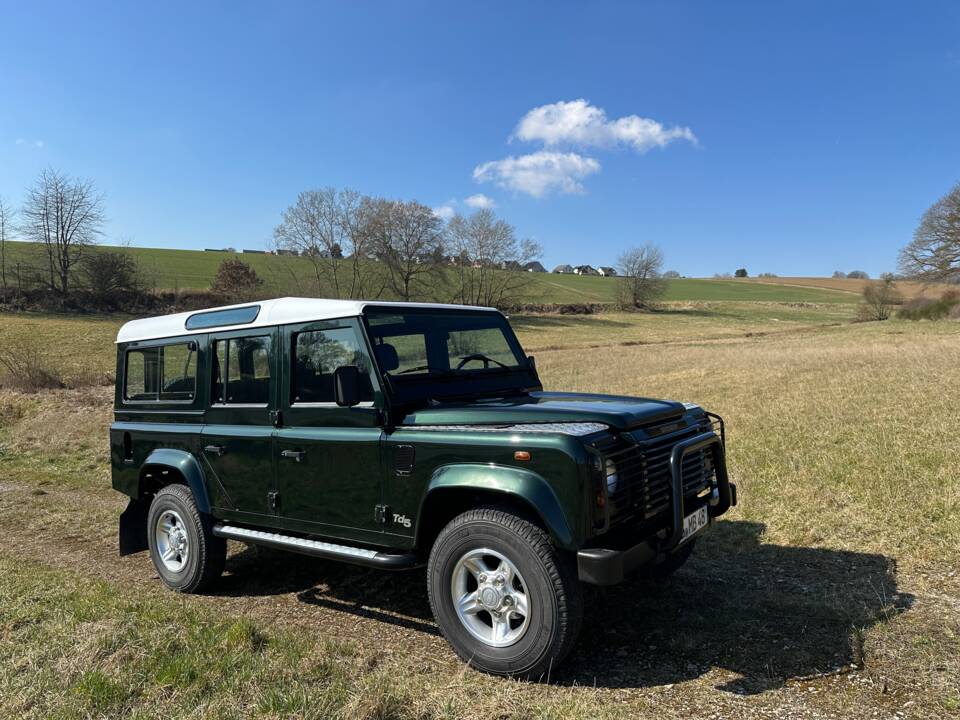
833,590
193,269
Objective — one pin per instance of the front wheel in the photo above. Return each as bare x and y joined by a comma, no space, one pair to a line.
187,555
506,599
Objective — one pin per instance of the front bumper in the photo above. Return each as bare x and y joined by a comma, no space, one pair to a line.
603,566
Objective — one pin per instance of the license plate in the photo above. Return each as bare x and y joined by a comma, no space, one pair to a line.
694,523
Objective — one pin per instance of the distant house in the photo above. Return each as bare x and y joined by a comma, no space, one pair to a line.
534,267
282,251
510,265
563,269
227,249
254,252
584,270
607,271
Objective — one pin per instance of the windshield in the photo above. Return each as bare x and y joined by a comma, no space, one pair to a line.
435,353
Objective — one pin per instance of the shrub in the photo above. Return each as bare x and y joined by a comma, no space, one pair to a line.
879,298
28,369
858,275
237,281
924,308
741,273
111,273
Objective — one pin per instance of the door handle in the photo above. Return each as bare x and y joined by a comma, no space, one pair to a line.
295,455
217,450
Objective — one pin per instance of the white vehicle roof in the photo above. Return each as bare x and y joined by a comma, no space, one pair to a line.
280,311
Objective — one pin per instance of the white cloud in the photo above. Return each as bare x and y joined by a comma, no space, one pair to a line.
539,173
579,123
31,143
480,202
445,211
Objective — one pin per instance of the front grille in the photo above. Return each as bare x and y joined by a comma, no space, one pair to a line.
643,489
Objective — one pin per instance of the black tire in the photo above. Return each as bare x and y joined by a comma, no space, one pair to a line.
207,553
672,562
552,587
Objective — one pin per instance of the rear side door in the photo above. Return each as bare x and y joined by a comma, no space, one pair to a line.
328,458
237,439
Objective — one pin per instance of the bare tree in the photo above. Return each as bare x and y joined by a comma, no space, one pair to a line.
839,274
858,275
328,227
934,252
408,239
641,283
879,299
6,222
65,215
482,245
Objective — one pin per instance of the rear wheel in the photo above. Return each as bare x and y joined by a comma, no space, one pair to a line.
185,552
506,599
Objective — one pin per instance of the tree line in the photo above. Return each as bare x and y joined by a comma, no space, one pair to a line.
367,247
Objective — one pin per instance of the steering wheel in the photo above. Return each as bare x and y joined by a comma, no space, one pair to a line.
478,357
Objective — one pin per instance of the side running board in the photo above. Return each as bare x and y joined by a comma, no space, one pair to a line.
318,548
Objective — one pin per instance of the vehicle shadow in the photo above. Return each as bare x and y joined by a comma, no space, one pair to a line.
767,613
394,597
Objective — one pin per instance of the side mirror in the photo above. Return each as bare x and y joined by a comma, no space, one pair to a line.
531,362
346,385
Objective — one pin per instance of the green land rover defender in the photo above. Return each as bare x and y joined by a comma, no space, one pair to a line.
397,435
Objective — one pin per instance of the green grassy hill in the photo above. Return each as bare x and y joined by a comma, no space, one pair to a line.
194,269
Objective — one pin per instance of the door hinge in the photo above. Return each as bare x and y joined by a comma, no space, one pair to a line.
380,514
273,499
276,418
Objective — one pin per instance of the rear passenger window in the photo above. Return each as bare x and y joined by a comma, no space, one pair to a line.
161,374
317,354
178,373
241,370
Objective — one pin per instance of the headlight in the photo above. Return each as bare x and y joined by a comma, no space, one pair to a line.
613,479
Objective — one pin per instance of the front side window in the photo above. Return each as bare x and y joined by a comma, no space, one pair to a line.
241,371
161,374
316,356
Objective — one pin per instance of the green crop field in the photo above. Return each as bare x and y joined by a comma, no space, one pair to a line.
195,269
832,590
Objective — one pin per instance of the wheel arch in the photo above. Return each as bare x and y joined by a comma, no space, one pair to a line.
454,489
166,466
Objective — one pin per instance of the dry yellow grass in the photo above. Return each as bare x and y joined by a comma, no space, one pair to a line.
831,591
910,288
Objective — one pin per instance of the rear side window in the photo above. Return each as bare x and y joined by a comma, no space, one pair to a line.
317,354
161,374
241,371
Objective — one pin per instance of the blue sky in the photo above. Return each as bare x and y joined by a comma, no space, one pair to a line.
795,138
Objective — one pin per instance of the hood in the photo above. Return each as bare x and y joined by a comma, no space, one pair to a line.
617,411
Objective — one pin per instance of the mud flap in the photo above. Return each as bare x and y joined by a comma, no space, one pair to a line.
133,527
